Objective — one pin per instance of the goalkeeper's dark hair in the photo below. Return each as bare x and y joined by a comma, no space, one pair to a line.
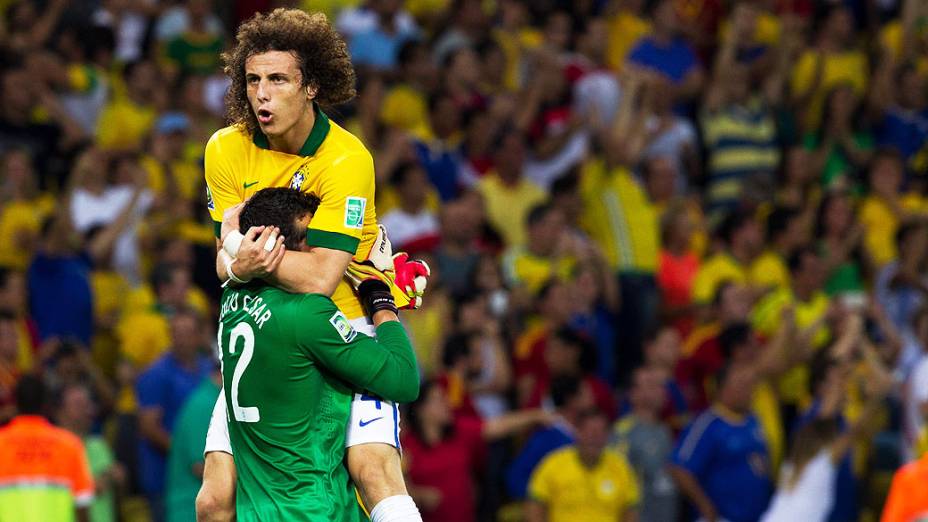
279,207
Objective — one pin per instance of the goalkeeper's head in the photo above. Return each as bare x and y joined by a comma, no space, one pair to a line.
287,209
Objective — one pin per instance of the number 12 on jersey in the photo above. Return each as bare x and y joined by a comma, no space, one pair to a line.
240,331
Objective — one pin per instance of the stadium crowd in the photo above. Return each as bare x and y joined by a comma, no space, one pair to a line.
678,249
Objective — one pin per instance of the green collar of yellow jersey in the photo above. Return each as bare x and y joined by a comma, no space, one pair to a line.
316,136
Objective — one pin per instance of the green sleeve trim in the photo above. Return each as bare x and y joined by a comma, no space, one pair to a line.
333,240
217,229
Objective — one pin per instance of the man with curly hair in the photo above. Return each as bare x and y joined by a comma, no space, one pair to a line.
285,67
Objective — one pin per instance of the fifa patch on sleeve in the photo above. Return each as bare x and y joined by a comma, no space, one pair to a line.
354,212
209,200
343,327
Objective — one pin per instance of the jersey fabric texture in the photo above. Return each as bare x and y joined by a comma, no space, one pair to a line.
287,361
332,164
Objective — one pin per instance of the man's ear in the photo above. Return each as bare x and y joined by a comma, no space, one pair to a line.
311,91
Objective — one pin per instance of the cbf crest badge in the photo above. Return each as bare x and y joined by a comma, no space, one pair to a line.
296,182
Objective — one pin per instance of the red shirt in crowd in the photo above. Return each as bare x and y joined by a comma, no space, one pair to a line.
448,467
675,277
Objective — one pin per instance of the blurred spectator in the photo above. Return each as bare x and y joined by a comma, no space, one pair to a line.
405,105
841,148
67,363
570,396
44,468
627,25
162,390
367,15
437,151
116,200
585,480
13,301
76,412
661,358
738,121
839,238
702,355
193,44
885,208
24,209
811,483
784,235
830,62
507,194
468,25
915,397
666,52
595,300
548,252
720,462
376,46
741,242
647,444
185,459
677,267
457,256
901,285
411,226
443,451
126,120
9,370
489,372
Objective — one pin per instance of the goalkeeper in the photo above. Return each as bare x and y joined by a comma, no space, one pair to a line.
289,364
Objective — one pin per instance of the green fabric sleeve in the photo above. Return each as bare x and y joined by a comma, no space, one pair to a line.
385,366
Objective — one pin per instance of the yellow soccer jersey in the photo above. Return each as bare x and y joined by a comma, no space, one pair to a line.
571,491
333,164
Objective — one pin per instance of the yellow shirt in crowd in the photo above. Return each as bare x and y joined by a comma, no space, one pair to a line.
766,319
620,218
19,220
880,224
523,268
848,67
624,31
406,108
571,491
508,206
123,125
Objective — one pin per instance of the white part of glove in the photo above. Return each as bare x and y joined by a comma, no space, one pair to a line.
381,255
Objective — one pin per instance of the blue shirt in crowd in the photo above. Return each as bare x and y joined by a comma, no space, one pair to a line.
166,384
729,460
539,445
60,299
675,60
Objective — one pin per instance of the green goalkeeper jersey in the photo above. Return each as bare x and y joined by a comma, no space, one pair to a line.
290,363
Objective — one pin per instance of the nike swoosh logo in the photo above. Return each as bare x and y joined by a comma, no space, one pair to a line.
253,183
363,423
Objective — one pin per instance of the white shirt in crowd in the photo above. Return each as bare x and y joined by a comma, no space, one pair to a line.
916,394
89,209
811,498
404,228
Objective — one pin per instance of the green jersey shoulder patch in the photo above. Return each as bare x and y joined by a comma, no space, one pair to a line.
354,212
343,327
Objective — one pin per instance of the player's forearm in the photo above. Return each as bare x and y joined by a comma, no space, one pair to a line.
398,376
310,272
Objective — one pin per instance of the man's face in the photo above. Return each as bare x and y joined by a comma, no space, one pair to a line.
186,335
275,90
593,435
77,409
561,357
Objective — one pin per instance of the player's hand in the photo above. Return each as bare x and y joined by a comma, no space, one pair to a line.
254,258
411,277
357,273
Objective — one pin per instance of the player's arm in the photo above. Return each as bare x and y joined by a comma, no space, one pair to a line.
385,366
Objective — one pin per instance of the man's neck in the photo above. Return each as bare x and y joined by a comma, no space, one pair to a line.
589,459
292,141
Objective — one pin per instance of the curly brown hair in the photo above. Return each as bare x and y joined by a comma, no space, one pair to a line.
321,52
